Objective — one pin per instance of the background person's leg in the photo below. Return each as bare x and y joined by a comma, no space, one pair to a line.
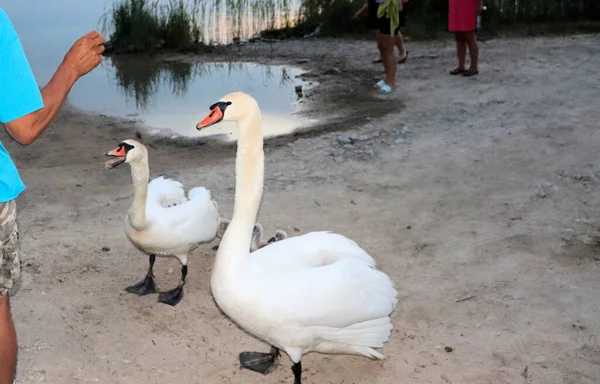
8,343
471,42
399,42
380,47
461,52
386,42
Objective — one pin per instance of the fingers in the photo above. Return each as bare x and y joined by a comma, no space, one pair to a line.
95,37
99,49
98,40
93,34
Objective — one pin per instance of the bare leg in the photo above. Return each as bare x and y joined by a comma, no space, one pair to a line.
461,52
378,59
399,41
8,343
471,42
386,43
461,49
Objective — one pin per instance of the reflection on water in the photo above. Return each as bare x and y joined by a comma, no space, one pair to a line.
176,95
141,79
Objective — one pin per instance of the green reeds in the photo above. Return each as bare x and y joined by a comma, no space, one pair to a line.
147,25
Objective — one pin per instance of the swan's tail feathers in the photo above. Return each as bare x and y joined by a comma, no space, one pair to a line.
366,335
368,352
388,291
167,192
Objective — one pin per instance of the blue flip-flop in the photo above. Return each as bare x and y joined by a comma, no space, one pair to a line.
385,89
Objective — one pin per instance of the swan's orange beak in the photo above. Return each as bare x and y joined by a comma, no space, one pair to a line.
212,118
119,154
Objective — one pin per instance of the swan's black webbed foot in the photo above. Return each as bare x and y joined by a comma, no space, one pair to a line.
146,286
297,369
171,297
174,296
258,361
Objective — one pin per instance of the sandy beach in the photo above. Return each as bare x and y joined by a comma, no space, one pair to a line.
478,196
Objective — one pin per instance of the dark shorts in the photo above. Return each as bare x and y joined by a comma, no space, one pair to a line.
383,24
10,266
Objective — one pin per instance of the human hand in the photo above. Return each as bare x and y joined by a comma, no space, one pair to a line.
85,54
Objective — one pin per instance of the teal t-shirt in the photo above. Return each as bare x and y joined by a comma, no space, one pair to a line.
19,96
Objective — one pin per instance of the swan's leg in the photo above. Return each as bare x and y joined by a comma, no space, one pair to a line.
297,369
174,296
259,362
145,286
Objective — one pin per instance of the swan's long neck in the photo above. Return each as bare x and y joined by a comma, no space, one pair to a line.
249,178
140,175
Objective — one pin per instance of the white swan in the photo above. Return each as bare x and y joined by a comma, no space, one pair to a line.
161,220
257,240
316,292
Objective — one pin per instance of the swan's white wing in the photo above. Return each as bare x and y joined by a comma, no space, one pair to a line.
347,292
195,220
310,250
166,192
318,279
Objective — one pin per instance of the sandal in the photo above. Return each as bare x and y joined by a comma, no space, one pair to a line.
377,61
405,57
469,73
379,84
385,89
457,71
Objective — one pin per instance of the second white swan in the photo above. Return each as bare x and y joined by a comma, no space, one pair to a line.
161,220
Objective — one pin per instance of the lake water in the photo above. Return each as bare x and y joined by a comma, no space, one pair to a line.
167,96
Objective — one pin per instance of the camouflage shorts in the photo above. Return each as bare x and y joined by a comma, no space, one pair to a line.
10,267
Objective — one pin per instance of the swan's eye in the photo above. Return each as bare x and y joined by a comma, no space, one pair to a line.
126,147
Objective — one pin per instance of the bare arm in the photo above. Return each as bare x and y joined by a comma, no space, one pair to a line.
83,56
27,128
359,13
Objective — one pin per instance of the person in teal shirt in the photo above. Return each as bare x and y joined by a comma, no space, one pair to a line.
26,111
